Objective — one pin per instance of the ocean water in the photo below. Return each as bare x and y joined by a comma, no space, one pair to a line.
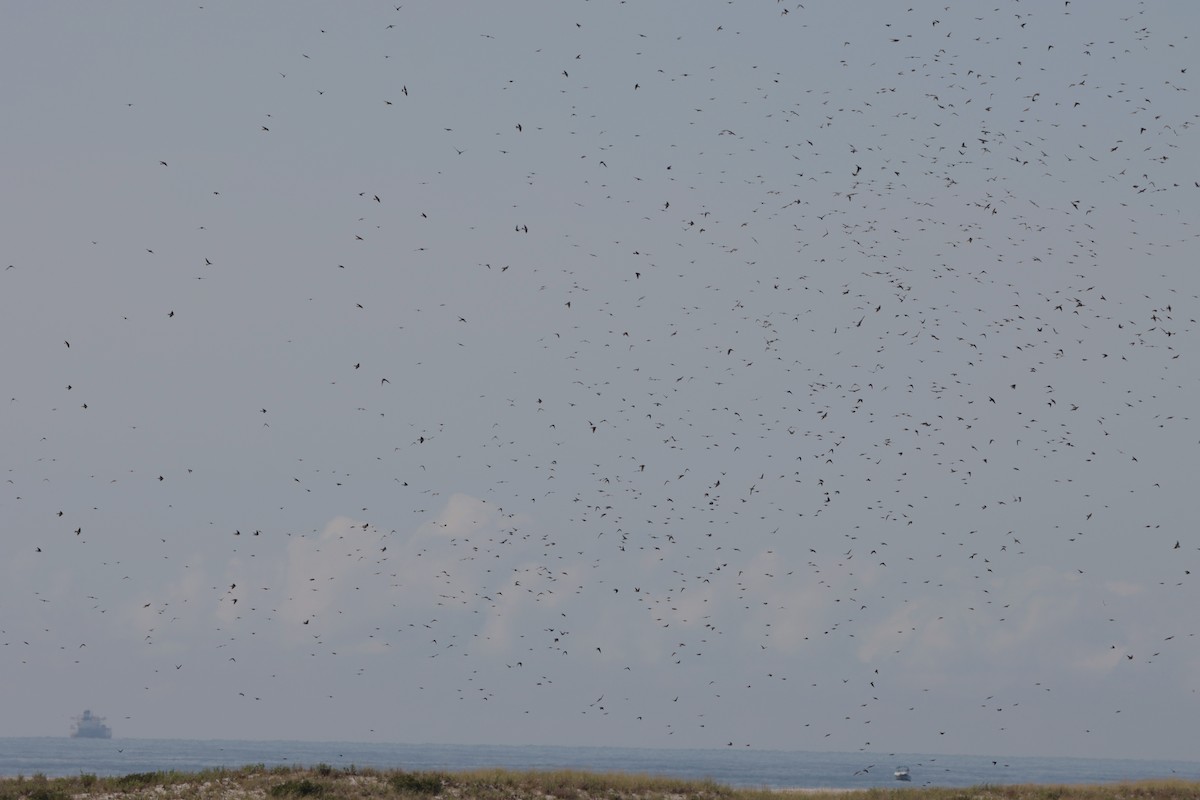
53,756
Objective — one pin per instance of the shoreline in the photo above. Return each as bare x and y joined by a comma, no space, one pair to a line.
324,782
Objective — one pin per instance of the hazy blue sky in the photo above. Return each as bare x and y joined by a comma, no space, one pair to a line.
795,376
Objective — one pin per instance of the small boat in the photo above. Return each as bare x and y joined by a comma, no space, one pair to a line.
902,774
89,726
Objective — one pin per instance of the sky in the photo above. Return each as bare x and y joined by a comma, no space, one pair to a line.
796,376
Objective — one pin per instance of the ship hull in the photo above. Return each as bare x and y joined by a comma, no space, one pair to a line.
104,734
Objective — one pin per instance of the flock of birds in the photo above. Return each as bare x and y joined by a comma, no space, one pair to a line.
762,375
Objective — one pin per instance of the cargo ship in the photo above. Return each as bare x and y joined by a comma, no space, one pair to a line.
89,726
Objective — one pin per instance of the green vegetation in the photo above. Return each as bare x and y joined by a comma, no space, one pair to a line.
324,782
419,783
304,787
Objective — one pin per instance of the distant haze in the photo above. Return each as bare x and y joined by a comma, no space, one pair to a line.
808,376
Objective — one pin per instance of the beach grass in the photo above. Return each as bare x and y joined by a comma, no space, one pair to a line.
322,782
